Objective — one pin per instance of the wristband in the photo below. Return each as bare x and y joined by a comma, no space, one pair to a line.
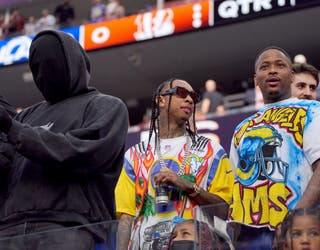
196,192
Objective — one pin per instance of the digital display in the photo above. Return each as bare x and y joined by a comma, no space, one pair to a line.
146,26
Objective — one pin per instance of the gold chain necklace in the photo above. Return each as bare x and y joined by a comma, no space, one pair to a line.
185,157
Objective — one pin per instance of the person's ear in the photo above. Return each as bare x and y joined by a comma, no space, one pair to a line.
161,101
255,80
292,76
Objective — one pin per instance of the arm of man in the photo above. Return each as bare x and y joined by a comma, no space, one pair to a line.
200,196
124,231
311,148
220,110
203,197
218,191
125,206
311,196
81,150
3,102
205,105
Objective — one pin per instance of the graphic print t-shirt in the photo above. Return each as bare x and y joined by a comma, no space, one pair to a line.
271,155
207,164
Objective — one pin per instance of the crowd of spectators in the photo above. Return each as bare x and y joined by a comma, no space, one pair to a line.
13,22
99,11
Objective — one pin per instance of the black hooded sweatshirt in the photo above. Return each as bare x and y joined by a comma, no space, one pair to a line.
69,148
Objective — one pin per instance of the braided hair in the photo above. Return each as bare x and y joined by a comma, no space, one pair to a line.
288,222
155,113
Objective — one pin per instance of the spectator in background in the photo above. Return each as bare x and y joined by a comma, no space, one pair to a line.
64,166
305,82
2,27
253,96
30,26
64,14
114,10
275,155
46,22
16,23
212,100
258,98
97,11
172,172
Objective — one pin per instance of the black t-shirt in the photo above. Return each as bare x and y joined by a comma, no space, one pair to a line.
215,98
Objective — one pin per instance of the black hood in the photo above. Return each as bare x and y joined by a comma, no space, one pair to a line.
59,65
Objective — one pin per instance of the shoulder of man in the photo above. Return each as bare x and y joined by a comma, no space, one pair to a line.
139,148
200,142
107,98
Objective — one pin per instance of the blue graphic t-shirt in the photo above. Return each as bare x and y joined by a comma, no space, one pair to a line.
271,155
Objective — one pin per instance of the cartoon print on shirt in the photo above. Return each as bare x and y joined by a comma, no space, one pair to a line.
259,158
262,191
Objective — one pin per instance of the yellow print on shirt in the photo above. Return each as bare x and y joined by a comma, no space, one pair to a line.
291,118
261,205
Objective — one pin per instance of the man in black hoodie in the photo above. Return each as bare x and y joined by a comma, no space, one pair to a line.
68,152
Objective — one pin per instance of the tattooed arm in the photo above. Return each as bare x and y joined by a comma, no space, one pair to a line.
124,230
311,196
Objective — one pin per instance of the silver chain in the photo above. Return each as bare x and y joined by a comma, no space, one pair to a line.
185,157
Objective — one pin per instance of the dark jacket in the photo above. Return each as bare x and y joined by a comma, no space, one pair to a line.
69,148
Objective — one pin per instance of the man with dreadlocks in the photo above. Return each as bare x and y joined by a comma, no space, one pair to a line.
165,178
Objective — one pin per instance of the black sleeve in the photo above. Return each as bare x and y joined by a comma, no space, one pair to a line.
94,147
7,152
6,149
3,102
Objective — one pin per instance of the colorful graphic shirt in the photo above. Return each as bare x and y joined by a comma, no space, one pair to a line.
207,165
271,155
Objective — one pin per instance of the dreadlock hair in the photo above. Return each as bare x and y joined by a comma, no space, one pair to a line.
268,48
155,112
288,222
